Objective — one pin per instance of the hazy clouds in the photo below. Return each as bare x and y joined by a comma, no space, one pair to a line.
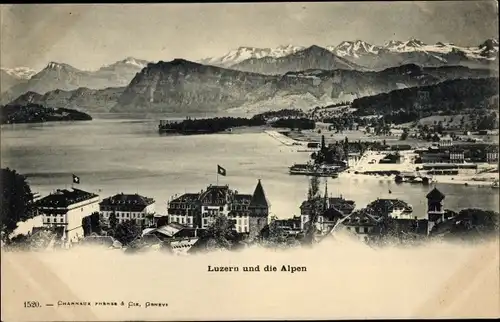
88,36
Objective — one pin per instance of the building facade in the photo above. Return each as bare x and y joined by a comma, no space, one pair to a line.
329,209
492,154
393,208
362,222
250,213
65,209
445,141
457,156
127,207
435,210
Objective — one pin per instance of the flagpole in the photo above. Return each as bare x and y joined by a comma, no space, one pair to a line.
217,182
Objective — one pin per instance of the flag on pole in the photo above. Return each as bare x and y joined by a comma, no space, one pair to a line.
221,170
76,179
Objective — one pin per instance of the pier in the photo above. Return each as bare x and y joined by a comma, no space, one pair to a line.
283,139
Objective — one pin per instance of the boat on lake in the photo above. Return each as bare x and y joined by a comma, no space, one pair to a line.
315,170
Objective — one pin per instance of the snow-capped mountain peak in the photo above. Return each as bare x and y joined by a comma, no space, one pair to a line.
20,72
242,53
140,63
354,48
284,50
59,66
414,43
407,46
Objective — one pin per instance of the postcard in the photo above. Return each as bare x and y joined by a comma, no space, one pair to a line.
249,161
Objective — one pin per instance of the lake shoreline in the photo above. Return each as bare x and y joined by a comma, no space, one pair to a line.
121,156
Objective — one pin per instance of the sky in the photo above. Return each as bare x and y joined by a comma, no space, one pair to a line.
89,36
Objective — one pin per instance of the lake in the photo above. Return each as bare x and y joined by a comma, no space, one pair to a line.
123,155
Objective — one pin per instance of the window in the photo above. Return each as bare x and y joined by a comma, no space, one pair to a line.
61,219
221,208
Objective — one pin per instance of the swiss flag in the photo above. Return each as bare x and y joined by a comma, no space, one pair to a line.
221,170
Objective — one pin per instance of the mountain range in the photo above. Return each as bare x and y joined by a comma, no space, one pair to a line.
182,85
313,57
243,53
250,78
364,55
12,76
66,78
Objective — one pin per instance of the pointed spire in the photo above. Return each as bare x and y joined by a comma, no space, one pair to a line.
435,194
327,200
259,197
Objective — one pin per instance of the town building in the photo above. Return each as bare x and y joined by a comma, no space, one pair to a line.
492,154
179,238
393,208
65,209
329,209
445,141
457,156
435,156
128,207
391,158
292,226
362,222
435,210
198,210
102,241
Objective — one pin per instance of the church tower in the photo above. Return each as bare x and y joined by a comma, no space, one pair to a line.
258,211
435,211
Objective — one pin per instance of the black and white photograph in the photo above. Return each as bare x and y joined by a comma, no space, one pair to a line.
249,161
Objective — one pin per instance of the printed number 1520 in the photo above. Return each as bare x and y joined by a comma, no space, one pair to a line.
31,304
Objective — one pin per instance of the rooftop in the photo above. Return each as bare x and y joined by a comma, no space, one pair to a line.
389,203
435,194
127,199
222,194
65,198
214,194
259,197
169,230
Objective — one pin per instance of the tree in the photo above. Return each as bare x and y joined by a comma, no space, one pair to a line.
113,221
127,231
440,127
313,198
92,224
475,223
87,229
276,235
17,201
220,232
404,135
95,222
313,190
